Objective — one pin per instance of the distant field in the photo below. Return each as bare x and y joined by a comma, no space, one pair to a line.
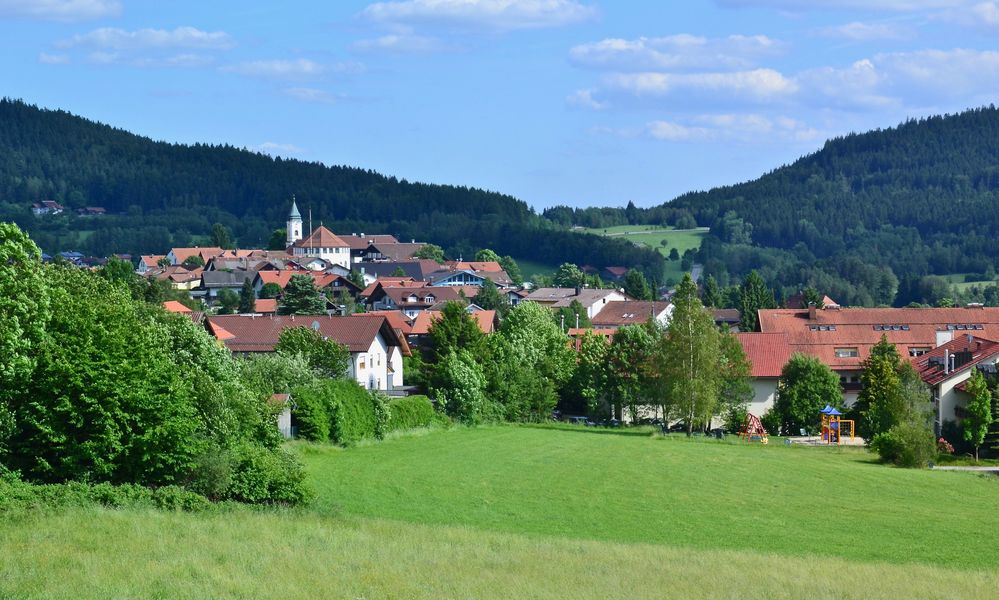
530,268
958,282
541,512
653,235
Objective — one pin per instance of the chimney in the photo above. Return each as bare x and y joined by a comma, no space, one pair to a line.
811,311
946,362
944,336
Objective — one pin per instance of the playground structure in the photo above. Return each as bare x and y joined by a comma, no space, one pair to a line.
754,429
832,425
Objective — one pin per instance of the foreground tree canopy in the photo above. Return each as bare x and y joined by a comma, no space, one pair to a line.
109,388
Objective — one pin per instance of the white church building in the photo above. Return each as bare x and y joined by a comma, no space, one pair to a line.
321,243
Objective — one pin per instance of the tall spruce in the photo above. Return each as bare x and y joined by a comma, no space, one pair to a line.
301,297
753,295
247,298
689,357
880,404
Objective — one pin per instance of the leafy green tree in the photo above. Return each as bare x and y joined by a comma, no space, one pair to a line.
487,255
490,298
279,240
636,286
806,386
228,301
301,297
24,314
736,389
270,290
979,410
674,254
753,295
266,374
456,330
631,377
193,262
689,357
357,279
460,388
541,348
812,297
711,296
880,404
430,252
590,380
163,262
247,298
568,275
512,269
572,316
222,237
326,357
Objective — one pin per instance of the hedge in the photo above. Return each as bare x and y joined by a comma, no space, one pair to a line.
412,412
340,411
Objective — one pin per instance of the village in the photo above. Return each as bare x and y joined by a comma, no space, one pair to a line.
381,300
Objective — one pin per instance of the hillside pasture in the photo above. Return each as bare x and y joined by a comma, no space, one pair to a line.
653,236
540,512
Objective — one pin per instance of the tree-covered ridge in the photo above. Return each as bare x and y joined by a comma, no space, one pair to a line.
160,195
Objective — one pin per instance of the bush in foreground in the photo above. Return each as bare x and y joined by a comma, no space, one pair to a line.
907,444
340,411
412,412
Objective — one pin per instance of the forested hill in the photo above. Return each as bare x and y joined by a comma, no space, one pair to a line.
161,195
867,215
921,198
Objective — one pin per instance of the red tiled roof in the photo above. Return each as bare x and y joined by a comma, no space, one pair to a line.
616,271
484,318
246,333
576,335
182,254
175,307
401,296
968,350
490,266
861,328
321,238
767,352
152,260
265,305
359,242
395,318
628,312
281,278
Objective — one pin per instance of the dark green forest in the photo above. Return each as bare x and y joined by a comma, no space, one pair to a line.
868,219
160,195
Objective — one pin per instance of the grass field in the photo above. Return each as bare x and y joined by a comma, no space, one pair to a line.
530,268
532,512
653,235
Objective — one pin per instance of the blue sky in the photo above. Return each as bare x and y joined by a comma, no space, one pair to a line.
573,102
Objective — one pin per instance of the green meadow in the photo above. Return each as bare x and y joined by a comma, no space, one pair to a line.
653,237
541,512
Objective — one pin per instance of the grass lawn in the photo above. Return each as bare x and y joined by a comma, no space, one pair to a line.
530,268
541,512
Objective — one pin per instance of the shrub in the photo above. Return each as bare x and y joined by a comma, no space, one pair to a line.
353,412
944,447
771,421
312,413
413,412
736,418
263,476
19,496
907,444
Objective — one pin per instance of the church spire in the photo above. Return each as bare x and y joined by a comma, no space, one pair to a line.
294,225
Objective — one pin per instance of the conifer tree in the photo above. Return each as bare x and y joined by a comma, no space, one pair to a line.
247,298
301,297
753,296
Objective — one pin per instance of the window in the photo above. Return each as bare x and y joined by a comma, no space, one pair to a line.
361,364
846,353
918,351
822,327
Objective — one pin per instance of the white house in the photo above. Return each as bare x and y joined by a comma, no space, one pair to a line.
593,300
376,348
767,354
948,367
324,244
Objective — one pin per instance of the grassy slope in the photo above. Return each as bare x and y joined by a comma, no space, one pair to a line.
506,512
652,236
582,483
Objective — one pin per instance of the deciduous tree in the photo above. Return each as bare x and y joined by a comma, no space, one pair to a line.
326,357
806,385
979,410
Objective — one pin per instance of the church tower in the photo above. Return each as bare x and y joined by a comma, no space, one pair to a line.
294,225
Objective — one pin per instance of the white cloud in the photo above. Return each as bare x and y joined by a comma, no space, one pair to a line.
757,84
402,43
674,52
585,99
501,15
753,128
53,59
983,16
863,32
312,95
60,10
276,149
919,78
294,68
113,38
807,5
